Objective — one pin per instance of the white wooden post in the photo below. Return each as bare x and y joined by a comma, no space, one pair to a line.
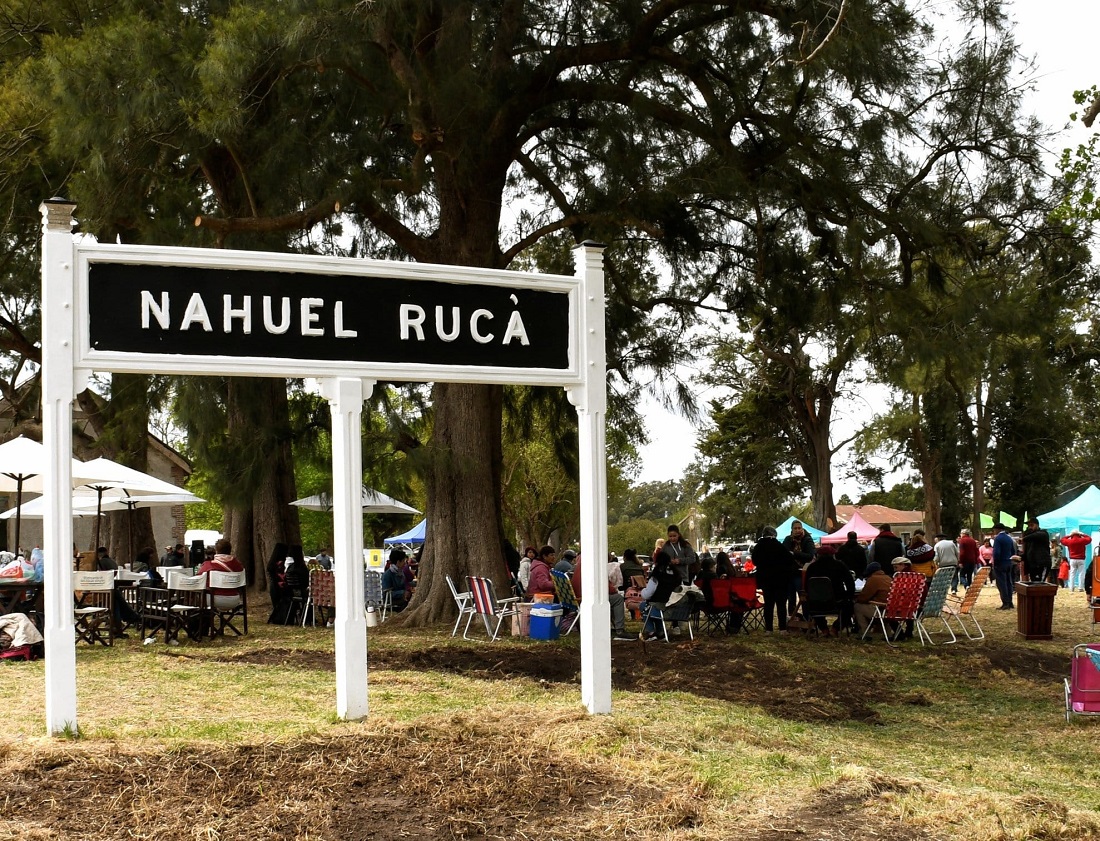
591,402
345,396
59,382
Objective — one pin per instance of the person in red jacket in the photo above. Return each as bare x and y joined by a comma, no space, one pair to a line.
223,561
969,558
1075,544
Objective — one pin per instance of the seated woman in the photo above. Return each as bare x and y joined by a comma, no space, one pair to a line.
663,579
541,582
144,560
223,561
393,579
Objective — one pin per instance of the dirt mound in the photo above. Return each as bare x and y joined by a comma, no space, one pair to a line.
721,670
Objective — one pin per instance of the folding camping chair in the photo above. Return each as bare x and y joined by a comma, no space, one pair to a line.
567,598
375,596
488,606
902,603
715,613
1083,684
1094,601
322,597
744,601
464,602
819,601
932,607
959,608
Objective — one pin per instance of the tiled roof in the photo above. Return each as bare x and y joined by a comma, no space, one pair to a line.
876,515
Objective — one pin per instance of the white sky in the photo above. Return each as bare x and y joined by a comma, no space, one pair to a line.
1059,34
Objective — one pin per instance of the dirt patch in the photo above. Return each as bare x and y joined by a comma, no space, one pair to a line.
463,780
721,670
841,812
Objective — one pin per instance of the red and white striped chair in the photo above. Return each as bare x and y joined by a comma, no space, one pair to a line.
902,604
488,606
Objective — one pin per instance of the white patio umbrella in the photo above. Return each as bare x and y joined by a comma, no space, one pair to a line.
373,502
102,475
89,503
22,462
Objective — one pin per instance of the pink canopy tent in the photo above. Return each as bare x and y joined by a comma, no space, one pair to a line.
863,530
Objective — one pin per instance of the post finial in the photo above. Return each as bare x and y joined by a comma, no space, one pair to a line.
57,214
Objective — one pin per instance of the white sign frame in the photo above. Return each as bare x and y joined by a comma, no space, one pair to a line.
68,361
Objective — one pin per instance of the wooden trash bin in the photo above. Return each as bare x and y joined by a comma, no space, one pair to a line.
1035,610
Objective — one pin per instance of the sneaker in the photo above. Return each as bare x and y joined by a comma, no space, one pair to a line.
644,637
620,636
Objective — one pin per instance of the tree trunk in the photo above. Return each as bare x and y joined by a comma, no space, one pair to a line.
463,511
258,409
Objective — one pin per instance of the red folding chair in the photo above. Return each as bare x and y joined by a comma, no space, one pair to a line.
743,600
902,604
715,613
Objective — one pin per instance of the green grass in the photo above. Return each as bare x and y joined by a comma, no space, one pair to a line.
955,742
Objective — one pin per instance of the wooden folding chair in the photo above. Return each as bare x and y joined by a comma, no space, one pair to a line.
959,608
93,611
225,609
488,606
187,608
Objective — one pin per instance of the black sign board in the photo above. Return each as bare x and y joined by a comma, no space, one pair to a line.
298,315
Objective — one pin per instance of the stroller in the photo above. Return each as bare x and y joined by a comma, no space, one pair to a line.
1083,684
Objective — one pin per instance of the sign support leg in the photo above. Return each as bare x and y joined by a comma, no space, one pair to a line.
591,402
59,382
345,396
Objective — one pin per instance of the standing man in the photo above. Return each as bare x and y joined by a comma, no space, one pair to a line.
852,555
968,558
800,544
1004,547
1075,543
775,567
885,547
946,554
1036,552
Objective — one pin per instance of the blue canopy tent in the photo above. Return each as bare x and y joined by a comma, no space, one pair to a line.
413,536
1082,513
784,528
